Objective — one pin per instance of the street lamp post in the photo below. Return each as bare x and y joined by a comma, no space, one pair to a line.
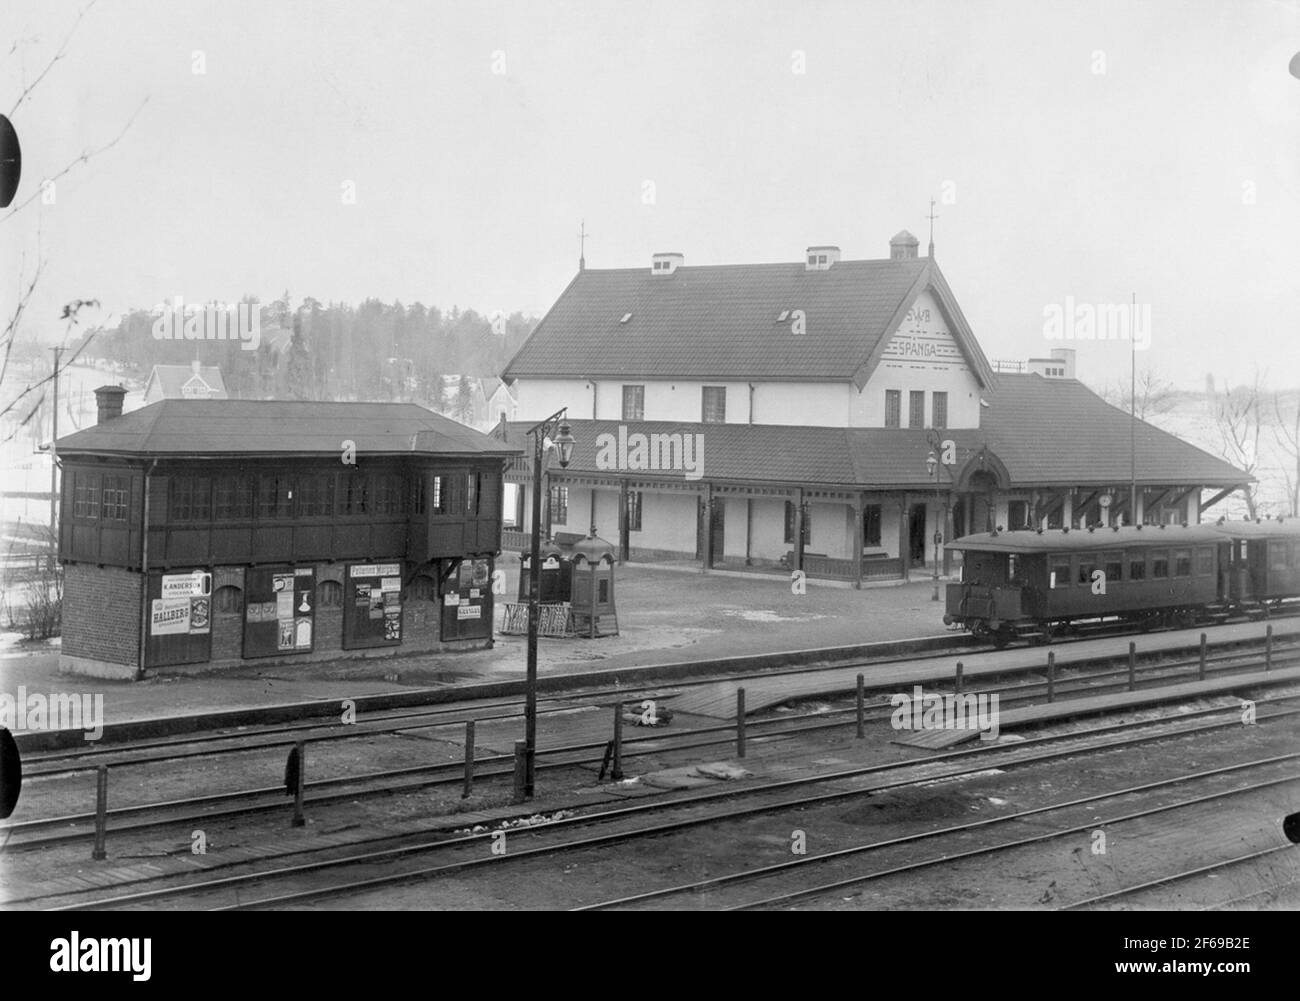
563,443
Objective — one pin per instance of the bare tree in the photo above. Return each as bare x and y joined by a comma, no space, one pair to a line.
1286,432
1238,418
1155,395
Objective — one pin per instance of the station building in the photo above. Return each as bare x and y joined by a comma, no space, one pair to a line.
200,534
785,416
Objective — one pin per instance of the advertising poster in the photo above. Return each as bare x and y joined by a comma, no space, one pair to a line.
279,611
372,606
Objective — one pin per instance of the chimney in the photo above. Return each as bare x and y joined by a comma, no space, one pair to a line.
821,258
108,403
903,247
666,263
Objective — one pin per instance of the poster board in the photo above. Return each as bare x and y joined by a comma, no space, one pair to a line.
467,601
279,611
372,605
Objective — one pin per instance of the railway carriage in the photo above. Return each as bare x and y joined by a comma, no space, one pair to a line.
1033,584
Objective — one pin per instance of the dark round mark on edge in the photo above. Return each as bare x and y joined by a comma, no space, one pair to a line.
11,773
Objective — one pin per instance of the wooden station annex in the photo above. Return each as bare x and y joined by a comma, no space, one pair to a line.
215,533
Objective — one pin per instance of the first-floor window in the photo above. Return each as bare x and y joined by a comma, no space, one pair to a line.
114,498
714,405
560,505
893,408
634,403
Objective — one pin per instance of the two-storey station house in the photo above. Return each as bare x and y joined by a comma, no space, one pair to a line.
828,415
210,533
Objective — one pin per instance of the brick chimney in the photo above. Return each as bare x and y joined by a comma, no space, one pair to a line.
108,403
903,247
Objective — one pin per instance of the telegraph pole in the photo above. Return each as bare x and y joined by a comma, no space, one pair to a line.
1132,419
54,436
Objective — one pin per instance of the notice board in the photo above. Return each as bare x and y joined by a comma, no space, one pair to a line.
372,606
467,601
279,611
180,624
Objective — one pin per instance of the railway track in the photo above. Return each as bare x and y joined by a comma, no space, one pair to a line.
136,818
711,808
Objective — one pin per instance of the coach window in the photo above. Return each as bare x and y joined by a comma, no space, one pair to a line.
1113,565
1086,566
1204,561
1182,562
1159,564
1060,571
1277,550
1137,566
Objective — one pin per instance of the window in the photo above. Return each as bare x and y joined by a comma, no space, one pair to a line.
234,498
471,494
602,591
1159,564
191,498
273,496
356,497
1204,561
560,505
634,403
1137,566
228,600
916,408
1182,562
1056,517
1060,576
1277,553
387,496
1086,566
314,495
715,405
1017,514
329,594
1113,566
789,523
114,498
893,408
871,525
85,502
939,408
416,490
634,511
439,496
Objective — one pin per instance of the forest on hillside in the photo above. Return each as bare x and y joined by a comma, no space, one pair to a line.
329,351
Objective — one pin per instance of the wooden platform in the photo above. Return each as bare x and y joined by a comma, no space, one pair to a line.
719,699
1049,712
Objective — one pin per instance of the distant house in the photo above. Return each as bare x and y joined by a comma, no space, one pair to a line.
500,403
178,382
483,404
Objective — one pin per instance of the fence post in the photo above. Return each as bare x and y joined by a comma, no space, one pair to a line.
469,759
740,722
958,682
521,769
1268,648
1132,665
1051,676
299,784
617,774
861,699
101,813
1201,668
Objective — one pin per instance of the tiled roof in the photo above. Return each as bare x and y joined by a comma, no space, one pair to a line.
1047,432
279,427
721,322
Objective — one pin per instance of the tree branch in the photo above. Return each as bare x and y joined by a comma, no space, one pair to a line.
50,65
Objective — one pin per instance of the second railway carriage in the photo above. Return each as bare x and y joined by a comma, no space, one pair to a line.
1031,584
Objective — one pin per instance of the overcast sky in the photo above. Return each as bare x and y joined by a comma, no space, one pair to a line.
1083,150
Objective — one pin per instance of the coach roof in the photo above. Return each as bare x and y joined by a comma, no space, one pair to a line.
209,428
1057,540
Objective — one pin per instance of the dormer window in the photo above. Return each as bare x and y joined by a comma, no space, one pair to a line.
666,263
822,258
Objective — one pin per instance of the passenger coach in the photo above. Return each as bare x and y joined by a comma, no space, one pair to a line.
1031,585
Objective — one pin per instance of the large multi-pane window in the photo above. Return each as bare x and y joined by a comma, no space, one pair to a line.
416,489
439,495
472,490
85,496
315,495
939,408
387,498
356,494
115,498
916,408
273,496
893,408
191,498
560,505
715,405
634,403
233,498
